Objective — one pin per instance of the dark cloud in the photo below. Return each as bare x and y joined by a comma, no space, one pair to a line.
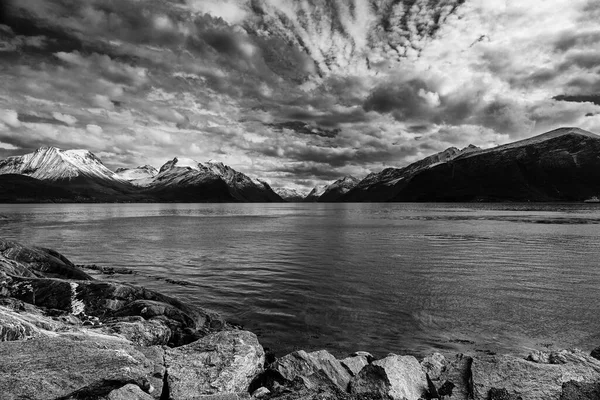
595,99
305,129
40,120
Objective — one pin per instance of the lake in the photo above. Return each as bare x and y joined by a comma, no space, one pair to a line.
402,278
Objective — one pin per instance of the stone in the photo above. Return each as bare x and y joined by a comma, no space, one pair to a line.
354,364
502,394
116,300
303,364
531,380
129,392
363,353
574,390
433,365
596,353
40,262
457,372
72,365
399,377
261,392
140,331
220,363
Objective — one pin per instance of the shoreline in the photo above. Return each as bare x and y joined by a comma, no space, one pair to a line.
65,334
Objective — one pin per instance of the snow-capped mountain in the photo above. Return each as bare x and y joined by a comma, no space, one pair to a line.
53,164
315,193
193,179
290,195
338,188
140,176
377,182
560,165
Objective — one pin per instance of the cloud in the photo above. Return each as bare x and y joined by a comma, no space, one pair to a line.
10,118
94,129
66,118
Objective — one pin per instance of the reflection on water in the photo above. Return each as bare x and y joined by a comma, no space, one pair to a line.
404,278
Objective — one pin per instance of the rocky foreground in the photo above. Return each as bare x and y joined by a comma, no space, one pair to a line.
66,335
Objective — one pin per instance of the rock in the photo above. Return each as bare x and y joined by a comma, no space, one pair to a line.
223,362
139,331
354,364
111,299
399,377
72,365
31,261
457,372
531,380
302,364
433,365
129,392
363,353
596,353
261,392
13,327
574,390
502,394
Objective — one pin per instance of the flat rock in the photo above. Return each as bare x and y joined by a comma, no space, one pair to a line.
528,379
354,364
574,390
303,364
399,377
57,367
219,363
129,392
111,300
31,261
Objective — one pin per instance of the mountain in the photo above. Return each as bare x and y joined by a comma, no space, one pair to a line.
380,186
338,188
78,171
561,165
290,195
16,188
184,179
314,194
140,176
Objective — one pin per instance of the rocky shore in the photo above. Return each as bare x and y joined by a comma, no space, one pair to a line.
66,335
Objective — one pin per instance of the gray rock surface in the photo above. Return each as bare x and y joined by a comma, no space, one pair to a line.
434,365
528,379
54,367
303,364
220,363
399,377
354,364
129,392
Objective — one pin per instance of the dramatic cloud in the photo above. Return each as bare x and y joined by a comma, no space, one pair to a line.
297,92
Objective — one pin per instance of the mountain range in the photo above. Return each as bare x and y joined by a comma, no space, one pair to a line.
560,165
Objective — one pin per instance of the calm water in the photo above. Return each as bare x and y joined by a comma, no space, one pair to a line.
403,278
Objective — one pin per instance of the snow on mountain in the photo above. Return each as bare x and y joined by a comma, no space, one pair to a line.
53,164
140,176
185,172
338,188
316,193
536,140
291,195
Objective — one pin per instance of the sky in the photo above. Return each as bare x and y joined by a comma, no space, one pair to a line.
296,92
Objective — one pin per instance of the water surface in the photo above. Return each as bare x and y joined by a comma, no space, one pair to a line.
403,278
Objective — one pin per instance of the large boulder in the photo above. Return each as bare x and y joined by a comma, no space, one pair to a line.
140,331
40,262
303,364
113,301
398,377
532,380
220,363
355,364
57,367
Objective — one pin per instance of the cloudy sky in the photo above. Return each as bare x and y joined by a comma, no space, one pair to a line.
296,92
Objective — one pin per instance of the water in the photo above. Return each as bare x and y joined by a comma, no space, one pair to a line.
403,278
